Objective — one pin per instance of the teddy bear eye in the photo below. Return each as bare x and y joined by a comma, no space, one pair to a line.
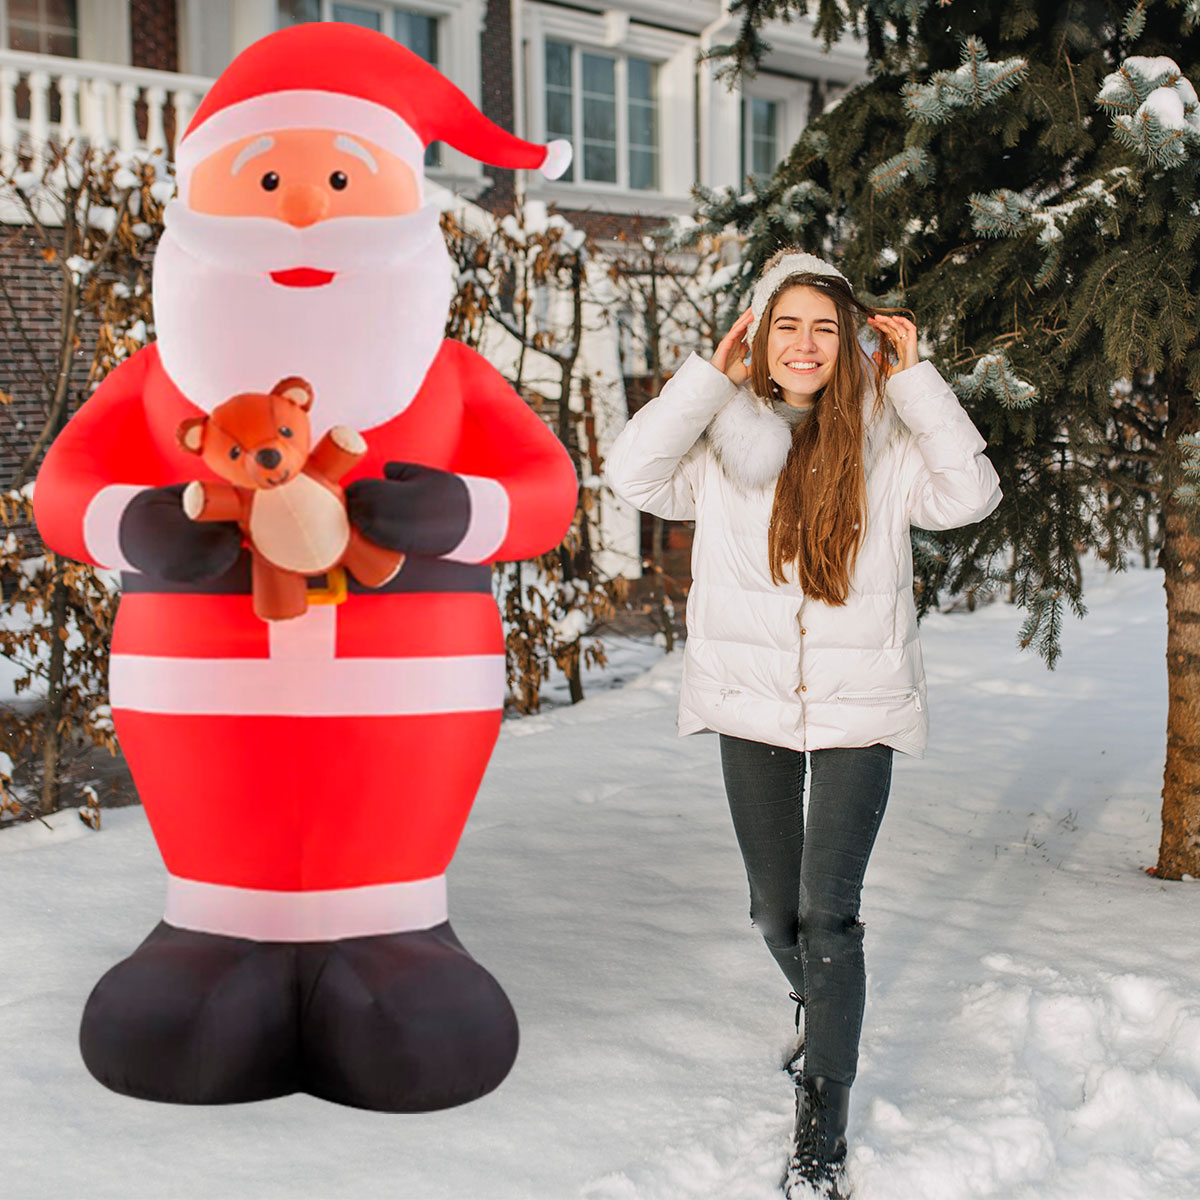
235,453
284,431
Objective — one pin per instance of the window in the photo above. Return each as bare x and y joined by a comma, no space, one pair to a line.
43,27
760,136
606,106
416,30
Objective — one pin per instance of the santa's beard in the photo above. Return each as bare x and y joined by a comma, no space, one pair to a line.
364,340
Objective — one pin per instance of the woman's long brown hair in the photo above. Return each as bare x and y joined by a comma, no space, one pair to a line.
819,517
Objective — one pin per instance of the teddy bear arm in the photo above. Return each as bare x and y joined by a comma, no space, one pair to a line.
336,453
205,501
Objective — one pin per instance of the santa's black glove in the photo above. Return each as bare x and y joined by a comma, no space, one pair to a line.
415,509
158,538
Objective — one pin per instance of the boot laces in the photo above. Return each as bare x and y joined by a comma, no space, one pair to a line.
799,1007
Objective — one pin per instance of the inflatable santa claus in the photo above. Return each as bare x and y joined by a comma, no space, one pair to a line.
307,780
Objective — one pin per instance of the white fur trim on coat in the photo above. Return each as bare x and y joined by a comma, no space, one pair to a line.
751,441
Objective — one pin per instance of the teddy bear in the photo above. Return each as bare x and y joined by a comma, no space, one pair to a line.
283,493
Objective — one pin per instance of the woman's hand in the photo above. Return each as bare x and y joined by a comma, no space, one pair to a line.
733,349
903,335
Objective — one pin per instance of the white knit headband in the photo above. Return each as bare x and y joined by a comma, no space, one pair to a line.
769,283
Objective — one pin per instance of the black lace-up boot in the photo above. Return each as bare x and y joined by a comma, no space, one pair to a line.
819,1149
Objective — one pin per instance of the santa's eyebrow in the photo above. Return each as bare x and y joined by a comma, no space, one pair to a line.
350,146
258,146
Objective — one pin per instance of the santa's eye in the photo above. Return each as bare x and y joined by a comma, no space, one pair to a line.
235,453
284,431
338,180
270,181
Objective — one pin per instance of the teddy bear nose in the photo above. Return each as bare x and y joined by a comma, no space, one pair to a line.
268,459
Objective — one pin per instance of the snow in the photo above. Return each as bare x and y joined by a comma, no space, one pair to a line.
79,267
163,189
1033,1000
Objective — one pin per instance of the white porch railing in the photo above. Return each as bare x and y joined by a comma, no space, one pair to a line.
97,104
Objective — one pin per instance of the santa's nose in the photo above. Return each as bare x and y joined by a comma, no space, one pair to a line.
303,203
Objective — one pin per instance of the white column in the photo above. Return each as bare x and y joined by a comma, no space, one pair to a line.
8,117
184,104
156,136
127,138
252,19
68,94
720,130
39,116
619,524
104,104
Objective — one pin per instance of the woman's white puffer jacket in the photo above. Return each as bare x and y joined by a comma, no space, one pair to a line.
763,661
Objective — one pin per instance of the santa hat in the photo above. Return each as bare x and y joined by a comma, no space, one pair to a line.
328,75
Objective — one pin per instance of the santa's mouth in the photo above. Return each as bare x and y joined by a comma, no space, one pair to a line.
302,277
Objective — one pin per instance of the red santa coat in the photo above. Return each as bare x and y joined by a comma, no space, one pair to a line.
309,779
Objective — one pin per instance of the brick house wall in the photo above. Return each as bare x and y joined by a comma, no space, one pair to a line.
29,343
154,34
496,95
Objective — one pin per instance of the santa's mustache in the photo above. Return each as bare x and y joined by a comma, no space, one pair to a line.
259,245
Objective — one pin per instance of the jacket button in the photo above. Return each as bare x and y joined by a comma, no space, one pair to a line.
802,629
803,687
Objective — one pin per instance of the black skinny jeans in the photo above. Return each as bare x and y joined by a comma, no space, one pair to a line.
806,877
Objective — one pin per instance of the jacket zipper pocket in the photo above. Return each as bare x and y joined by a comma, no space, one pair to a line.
729,691
882,697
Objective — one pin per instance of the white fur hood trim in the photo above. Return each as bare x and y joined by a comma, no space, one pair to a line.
751,441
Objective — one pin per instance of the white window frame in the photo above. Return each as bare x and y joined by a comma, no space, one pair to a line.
620,62
78,22
101,30
793,97
614,35
460,23
240,22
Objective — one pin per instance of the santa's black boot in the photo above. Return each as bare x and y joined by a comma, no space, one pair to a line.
194,1018
819,1142
403,1022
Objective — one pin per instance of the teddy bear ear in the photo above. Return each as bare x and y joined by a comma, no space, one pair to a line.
298,391
191,434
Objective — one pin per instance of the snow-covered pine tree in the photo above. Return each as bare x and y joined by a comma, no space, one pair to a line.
1024,177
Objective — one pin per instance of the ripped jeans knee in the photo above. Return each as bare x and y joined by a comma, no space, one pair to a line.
827,934
780,929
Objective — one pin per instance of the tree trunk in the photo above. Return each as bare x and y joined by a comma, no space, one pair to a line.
659,588
574,674
52,735
1179,850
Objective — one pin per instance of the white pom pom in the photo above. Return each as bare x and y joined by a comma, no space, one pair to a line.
558,158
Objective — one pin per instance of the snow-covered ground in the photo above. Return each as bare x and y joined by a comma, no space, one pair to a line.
1033,1012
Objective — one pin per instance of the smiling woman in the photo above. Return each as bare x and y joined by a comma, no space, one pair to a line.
803,470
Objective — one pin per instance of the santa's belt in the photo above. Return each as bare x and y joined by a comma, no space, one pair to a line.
419,574
271,916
